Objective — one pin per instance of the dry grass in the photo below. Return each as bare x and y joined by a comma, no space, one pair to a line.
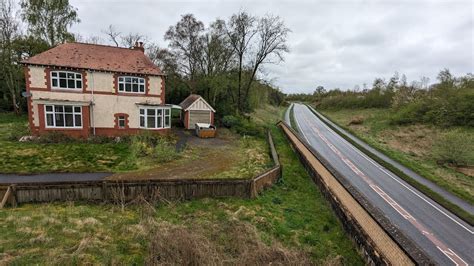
232,243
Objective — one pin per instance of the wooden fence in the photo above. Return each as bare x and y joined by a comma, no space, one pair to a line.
150,190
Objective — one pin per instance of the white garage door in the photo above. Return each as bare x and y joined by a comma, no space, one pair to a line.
199,117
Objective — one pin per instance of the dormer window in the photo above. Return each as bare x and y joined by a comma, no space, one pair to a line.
129,84
66,80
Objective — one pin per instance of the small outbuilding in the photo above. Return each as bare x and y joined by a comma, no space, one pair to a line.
196,110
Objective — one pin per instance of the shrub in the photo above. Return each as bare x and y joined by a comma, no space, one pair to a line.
410,113
165,151
230,121
455,147
142,144
55,137
242,125
158,147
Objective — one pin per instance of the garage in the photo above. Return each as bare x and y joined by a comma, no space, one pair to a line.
196,110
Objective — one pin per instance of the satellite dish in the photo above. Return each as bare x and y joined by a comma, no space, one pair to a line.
26,94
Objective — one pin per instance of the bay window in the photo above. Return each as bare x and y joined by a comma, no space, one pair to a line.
66,80
63,116
155,117
131,84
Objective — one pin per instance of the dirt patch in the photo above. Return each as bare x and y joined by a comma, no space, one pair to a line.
415,140
467,170
232,243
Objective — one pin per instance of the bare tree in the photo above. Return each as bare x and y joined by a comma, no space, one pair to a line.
90,39
240,30
186,43
271,45
162,57
112,34
10,70
217,53
130,39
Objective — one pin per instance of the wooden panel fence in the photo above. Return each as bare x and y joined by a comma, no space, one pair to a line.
150,190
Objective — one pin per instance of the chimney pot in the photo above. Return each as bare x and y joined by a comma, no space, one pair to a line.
139,46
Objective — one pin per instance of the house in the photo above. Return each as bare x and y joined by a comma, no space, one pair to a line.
196,110
87,89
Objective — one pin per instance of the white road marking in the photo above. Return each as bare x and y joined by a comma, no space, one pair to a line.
456,259
396,179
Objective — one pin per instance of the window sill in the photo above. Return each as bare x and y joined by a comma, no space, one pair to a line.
66,90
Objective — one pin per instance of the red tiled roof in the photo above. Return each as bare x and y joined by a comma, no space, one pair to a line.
97,57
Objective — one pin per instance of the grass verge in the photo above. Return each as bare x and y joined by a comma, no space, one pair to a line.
292,119
461,213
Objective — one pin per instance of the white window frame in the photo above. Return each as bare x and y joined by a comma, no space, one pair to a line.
76,77
121,118
165,114
122,82
53,112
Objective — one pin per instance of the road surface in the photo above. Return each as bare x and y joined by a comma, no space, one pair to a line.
446,194
52,177
443,236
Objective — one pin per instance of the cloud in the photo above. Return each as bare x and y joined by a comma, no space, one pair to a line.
333,43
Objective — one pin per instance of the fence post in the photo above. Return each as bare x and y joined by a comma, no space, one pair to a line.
104,191
13,201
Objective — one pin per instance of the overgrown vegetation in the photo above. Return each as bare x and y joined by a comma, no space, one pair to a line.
228,157
160,148
415,147
454,147
447,103
289,223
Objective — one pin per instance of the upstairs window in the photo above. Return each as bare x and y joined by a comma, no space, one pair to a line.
131,84
66,80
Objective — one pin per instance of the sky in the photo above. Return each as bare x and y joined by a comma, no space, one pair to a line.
336,44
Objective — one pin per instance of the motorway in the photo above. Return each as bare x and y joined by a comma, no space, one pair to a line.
443,236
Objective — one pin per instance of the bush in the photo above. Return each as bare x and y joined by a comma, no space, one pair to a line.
455,147
410,113
243,126
230,121
155,146
55,137
164,151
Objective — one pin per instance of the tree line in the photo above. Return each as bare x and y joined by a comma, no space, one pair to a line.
448,102
221,61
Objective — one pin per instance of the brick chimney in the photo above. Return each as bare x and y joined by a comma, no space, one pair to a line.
139,46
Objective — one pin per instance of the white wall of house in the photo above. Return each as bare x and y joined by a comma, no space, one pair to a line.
105,105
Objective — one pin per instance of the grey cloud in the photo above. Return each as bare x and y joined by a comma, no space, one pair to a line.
333,43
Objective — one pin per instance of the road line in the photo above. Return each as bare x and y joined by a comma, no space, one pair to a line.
448,252
396,179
